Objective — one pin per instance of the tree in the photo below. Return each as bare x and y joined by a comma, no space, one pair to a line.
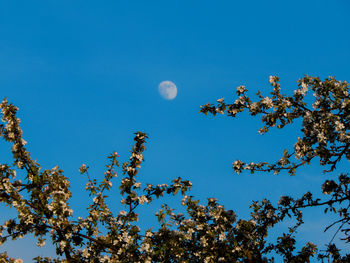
207,233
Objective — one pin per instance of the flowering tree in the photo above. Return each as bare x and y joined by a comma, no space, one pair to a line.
207,233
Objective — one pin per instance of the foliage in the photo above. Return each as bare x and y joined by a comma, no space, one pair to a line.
207,233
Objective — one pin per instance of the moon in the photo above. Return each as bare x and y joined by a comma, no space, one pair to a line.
167,89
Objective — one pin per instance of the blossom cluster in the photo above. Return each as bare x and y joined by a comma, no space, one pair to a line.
325,135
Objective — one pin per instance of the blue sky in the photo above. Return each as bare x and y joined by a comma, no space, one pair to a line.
85,76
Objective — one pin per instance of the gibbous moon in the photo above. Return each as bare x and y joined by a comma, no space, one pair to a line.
167,90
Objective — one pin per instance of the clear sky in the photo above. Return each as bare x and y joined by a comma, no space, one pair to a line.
85,76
